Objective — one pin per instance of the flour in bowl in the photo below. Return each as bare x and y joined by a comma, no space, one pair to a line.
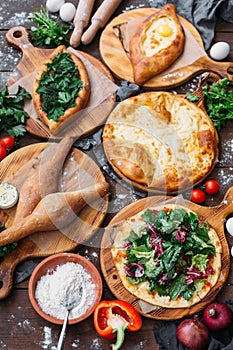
53,290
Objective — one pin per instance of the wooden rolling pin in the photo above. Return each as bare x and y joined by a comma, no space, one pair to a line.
99,19
81,19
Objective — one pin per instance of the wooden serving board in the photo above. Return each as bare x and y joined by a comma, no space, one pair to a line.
46,243
215,217
32,58
116,58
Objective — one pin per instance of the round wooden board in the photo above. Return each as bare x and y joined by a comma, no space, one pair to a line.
33,58
214,216
116,58
89,219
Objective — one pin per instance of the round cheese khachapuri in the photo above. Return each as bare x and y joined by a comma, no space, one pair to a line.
160,141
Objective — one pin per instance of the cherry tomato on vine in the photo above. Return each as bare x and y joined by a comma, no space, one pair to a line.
3,152
7,142
197,196
212,187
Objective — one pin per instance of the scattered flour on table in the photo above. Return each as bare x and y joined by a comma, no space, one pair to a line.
75,343
54,289
46,343
26,325
95,344
132,7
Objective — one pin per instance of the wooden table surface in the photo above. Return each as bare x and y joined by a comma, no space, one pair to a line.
20,327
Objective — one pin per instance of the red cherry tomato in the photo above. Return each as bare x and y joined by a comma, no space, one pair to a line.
7,142
212,187
3,152
197,196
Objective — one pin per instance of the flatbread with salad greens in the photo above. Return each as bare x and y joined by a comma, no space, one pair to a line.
168,256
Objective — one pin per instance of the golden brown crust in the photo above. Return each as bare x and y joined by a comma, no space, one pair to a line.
161,141
163,49
132,160
141,290
81,100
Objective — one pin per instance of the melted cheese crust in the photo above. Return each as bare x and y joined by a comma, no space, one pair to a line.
170,139
158,35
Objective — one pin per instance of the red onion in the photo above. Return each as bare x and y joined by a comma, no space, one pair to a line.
193,334
217,316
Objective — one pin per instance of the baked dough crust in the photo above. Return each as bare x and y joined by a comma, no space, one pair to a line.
141,290
156,44
160,141
81,99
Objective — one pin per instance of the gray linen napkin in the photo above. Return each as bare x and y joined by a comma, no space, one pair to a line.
202,14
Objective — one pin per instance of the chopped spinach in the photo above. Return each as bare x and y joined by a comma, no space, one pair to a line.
59,86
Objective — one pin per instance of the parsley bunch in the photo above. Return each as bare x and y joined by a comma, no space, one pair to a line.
218,99
48,32
12,115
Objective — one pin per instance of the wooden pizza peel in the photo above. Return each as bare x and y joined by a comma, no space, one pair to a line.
116,58
33,58
215,216
44,244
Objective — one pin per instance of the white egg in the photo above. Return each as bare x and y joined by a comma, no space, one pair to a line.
231,251
54,5
229,226
220,50
67,12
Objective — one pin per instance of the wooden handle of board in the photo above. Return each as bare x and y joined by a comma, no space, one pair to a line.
99,19
81,20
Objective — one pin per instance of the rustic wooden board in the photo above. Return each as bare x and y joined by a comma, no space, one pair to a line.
116,58
90,218
215,217
32,58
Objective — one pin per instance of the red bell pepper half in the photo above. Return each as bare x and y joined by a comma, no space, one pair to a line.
113,317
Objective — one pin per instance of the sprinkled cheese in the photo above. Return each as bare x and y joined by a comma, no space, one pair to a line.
8,195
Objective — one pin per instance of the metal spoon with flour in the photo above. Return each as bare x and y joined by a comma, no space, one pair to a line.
69,305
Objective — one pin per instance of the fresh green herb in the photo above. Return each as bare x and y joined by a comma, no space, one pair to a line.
191,97
171,251
7,248
59,86
218,99
48,32
12,115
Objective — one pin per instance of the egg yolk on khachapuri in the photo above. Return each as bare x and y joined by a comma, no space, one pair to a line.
158,35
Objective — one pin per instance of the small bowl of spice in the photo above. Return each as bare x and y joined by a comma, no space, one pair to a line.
63,278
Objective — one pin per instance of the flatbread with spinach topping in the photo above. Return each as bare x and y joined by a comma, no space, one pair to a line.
168,256
61,88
